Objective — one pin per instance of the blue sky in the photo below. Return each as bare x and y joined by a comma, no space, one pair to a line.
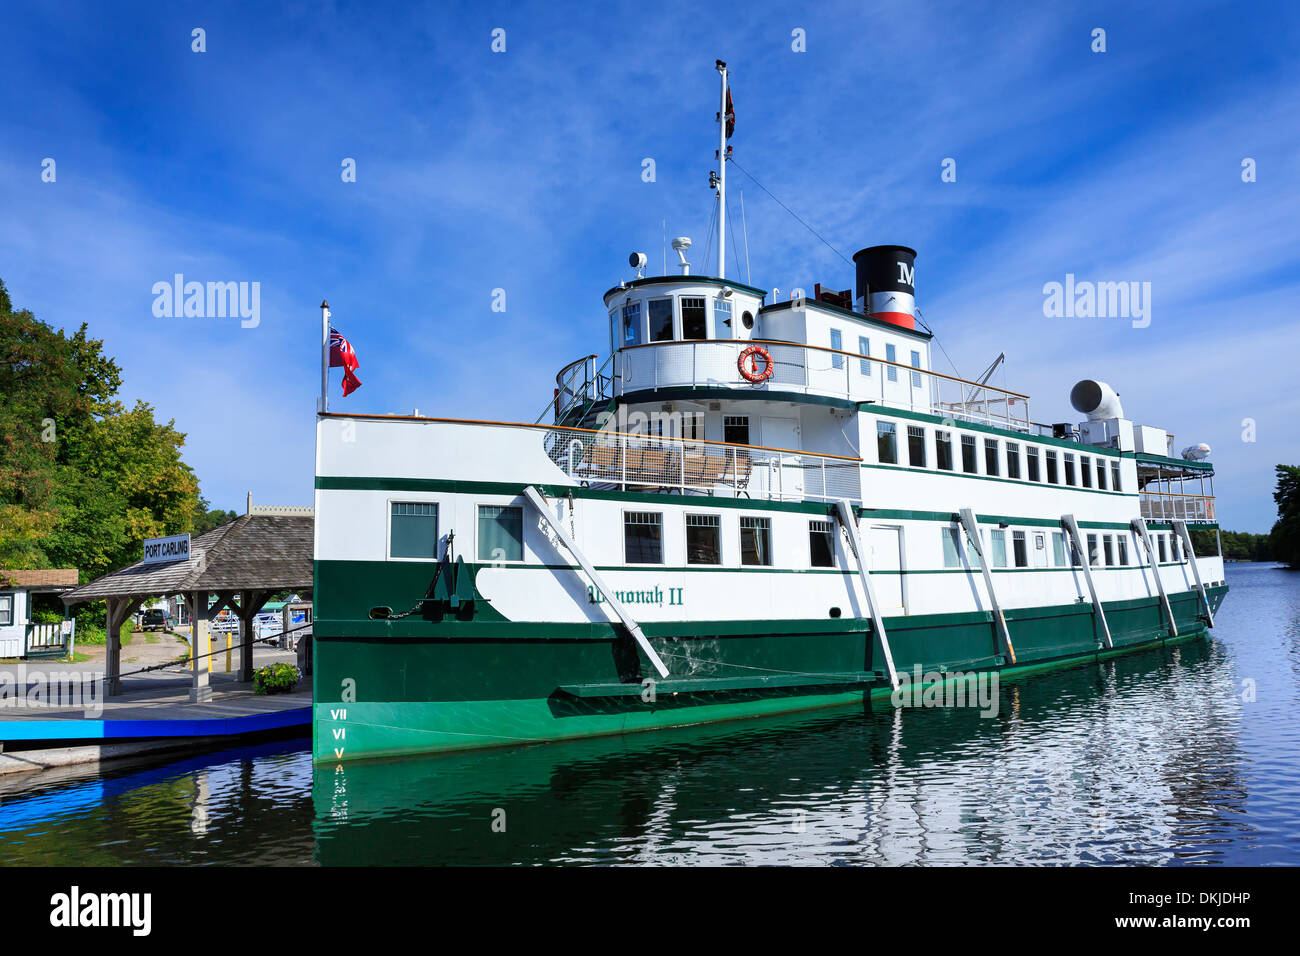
522,171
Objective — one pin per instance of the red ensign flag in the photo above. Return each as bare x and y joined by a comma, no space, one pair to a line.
343,355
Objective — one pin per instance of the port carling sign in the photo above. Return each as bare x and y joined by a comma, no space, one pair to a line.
161,550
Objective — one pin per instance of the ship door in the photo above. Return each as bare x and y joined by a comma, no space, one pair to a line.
885,559
784,471
1039,555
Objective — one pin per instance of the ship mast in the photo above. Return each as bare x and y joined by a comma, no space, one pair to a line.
722,172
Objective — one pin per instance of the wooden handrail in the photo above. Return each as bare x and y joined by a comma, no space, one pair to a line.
821,348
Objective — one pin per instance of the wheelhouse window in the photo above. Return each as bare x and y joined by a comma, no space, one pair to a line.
968,463
1020,549
891,355
735,429
643,537
837,343
916,446
632,324
990,456
1013,459
1069,469
661,319
6,610
886,443
1052,477
943,450
916,363
1031,465
413,531
755,540
703,539
500,533
721,317
864,348
614,330
1085,470
695,322
821,544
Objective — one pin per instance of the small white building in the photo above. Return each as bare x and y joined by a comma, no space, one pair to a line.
16,591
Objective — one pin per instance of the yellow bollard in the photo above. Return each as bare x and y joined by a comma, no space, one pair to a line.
227,652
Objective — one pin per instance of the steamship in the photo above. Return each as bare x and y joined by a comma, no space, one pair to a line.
751,504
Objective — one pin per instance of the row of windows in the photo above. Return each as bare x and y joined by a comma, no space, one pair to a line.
1030,549
1029,464
864,365
693,312
414,531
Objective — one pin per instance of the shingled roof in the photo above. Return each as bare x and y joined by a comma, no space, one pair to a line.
253,552
40,578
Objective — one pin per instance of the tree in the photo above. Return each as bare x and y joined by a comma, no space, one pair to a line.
82,479
1285,537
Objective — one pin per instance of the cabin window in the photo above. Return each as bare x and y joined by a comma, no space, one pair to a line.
952,538
6,610
1058,549
1052,477
837,343
661,319
916,363
891,355
721,317
1101,474
1031,465
1069,469
916,446
864,348
632,324
735,429
703,539
692,426
1019,549
500,533
695,322
643,537
1094,556
998,540
1074,555
1122,544
821,544
1108,550
990,456
1040,544
943,450
413,532
1164,554
1085,471
1114,476
886,443
1013,459
755,540
968,463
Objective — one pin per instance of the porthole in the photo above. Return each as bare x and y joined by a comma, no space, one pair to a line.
747,320
835,612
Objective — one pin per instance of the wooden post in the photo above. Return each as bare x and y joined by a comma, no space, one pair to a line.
200,688
113,647
250,602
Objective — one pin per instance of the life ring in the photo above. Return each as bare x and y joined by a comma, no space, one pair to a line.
748,366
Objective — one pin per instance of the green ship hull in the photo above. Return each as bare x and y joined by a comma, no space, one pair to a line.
448,681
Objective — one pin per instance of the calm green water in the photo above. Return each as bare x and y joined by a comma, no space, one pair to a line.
1153,758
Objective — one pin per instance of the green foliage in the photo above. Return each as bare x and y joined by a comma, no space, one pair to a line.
1237,545
1286,532
206,519
83,479
279,678
94,634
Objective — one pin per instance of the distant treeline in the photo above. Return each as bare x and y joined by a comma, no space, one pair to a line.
1237,545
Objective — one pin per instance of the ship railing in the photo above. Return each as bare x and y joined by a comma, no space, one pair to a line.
580,384
814,370
1170,506
633,462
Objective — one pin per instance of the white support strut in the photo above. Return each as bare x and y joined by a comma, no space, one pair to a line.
1140,528
1072,527
1180,526
973,533
844,511
537,501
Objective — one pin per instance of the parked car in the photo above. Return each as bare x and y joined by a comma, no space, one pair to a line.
155,619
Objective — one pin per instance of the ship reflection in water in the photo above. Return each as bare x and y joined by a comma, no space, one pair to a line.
1152,758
